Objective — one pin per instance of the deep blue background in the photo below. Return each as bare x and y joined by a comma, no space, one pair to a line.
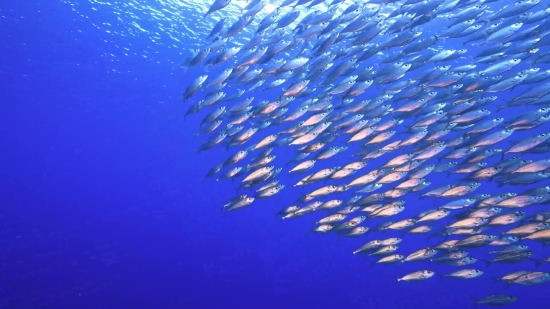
102,204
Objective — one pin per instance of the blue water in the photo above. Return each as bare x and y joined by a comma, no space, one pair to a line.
102,203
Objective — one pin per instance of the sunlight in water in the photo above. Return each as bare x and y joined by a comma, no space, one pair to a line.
165,21
178,25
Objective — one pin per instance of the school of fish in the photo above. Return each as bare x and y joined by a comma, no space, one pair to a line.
360,81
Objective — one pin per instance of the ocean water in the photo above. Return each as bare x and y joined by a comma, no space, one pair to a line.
103,204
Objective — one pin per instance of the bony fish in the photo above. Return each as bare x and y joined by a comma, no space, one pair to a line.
457,255
475,241
541,236
511,257
497,300
324,228
420,255
391,259
532,278
461,262
371,245
507,219
269,192
465,274
385,250
417,276
420,229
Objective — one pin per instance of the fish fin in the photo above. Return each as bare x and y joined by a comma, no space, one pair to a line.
488,263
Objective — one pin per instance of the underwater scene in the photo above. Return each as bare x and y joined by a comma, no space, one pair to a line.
275,154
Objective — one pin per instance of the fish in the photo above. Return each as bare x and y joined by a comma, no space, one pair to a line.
507,219
417,276
528,229
420,255
337,82
532,278
461,262
541,235
497,300
465,274
384,250
457,255
391,259
371,245
475,241
511,257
